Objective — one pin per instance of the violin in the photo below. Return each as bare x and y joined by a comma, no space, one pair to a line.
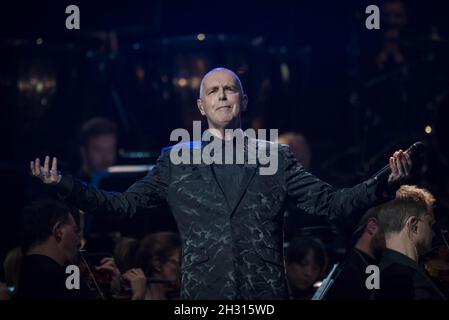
438,265
97,282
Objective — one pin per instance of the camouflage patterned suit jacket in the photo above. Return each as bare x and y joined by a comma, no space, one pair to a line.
228,252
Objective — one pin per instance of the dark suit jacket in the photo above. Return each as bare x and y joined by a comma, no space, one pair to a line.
228,252
401,278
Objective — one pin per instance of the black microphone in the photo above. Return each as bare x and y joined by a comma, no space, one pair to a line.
383,174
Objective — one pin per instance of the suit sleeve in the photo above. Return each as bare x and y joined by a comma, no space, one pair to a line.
149,192
314,196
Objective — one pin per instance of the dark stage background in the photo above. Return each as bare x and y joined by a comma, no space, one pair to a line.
307,66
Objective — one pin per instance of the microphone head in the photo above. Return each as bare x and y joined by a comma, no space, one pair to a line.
416,148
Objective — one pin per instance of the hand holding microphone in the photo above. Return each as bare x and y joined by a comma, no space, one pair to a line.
400,165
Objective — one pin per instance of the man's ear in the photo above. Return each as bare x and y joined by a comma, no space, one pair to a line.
372,226
412,223
57,231
199,103
244,102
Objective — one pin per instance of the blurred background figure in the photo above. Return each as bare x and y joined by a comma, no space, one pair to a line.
11,267
298,146
305,264
98,148
408,223
295,218
297,222
98,143
125,252
350,278
157,275
394,17
437,265
4,293
49,242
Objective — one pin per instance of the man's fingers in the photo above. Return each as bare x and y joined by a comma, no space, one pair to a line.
139,272
46,165
408,160
106,259
54,167
32,168
129,275
399,166
105,268
126,276
393,167
404,165
108,264
37,167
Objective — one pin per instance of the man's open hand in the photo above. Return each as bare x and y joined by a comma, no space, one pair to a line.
47,175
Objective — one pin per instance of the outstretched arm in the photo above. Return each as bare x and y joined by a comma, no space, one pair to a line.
149,192
314,196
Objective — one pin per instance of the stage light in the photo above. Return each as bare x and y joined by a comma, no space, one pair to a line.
285,72
195,83
428,129
201,36
140,73
39,86
182,82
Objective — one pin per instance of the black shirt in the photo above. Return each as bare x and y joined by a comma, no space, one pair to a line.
42,278
402,278
230,177
350,283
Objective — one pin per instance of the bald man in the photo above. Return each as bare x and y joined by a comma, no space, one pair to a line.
229,215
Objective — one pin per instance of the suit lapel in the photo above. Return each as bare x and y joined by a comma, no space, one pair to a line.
209,176
250,171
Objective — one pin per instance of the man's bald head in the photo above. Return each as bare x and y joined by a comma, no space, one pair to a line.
217,70
222,99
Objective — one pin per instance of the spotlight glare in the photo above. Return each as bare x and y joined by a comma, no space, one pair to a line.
182,82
